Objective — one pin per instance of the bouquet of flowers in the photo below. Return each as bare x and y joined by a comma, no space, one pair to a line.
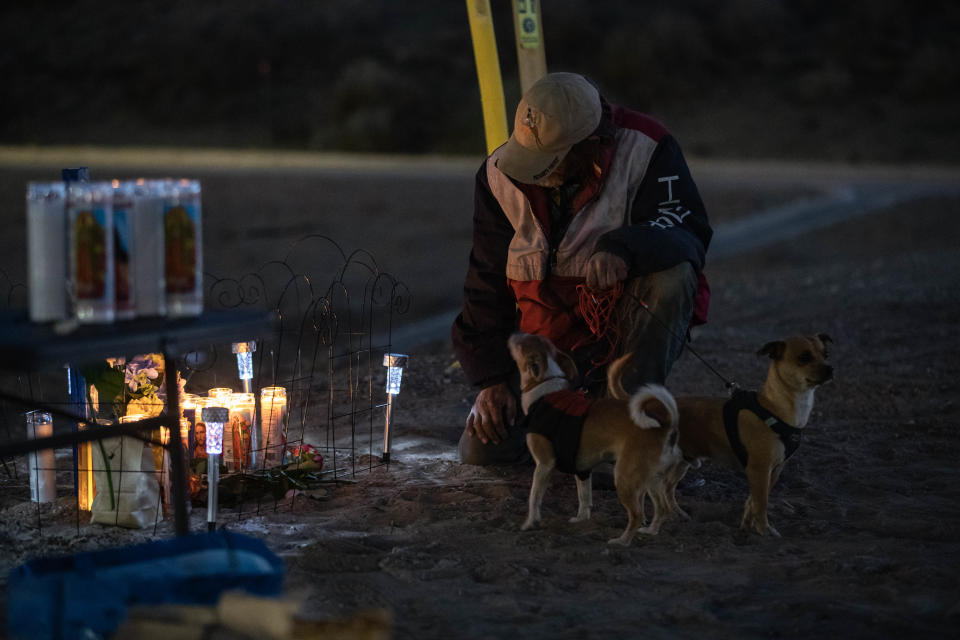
304,456
144,385
118,388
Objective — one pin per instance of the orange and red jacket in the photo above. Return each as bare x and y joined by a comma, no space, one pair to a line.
641,205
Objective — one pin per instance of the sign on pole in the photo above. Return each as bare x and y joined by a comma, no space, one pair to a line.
531,57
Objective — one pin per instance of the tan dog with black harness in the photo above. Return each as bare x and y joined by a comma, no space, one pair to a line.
755,432
573,433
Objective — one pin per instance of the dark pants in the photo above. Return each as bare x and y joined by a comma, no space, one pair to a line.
657,333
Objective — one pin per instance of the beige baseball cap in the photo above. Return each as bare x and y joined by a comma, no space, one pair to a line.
558,111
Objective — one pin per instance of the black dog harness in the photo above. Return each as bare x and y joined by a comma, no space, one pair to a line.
789,436
559,417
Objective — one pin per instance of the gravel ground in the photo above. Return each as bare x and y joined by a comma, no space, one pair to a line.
867,507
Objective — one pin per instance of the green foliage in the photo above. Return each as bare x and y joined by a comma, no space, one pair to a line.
108,382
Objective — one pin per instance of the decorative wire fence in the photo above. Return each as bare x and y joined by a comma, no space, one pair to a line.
335,316
327,355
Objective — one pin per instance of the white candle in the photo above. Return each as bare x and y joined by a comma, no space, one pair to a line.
90,244
41,464
183,242
148,258
46,251
273,418
242,407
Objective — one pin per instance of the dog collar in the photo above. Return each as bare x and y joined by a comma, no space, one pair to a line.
537,391
789,435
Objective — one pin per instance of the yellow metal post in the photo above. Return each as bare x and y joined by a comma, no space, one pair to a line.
488,73
528,29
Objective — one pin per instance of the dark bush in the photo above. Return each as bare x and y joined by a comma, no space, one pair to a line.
400,76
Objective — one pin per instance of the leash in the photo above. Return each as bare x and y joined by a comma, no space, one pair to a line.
598,309
730,386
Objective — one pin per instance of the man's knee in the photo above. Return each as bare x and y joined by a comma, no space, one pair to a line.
654,318
511,450
675,287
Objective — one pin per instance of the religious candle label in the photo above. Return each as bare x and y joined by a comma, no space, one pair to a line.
90,237
90,217
182,235
240,421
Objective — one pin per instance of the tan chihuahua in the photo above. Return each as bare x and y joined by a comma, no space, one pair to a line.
573,433
755,432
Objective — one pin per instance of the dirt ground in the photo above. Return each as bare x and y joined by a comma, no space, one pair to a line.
867,508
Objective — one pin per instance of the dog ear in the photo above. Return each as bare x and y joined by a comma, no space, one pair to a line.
514,340
824,338
774,349
567,365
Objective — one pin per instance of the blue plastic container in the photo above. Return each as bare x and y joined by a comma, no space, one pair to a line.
71,596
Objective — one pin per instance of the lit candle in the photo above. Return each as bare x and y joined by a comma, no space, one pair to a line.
273,420
165,485
240,430
86,484
185,430
200,428
188,413
220,393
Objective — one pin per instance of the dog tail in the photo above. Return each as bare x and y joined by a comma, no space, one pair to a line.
615,377
653,406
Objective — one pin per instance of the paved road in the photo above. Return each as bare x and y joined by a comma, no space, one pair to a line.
413,214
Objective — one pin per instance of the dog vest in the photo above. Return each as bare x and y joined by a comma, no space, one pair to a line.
789,436
559,417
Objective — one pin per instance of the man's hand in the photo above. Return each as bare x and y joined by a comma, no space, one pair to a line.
605,270
492,406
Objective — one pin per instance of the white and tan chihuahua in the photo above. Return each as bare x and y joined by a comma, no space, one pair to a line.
638,434
755,432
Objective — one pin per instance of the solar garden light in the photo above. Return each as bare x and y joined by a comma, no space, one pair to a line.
394,362
214,418
244,351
